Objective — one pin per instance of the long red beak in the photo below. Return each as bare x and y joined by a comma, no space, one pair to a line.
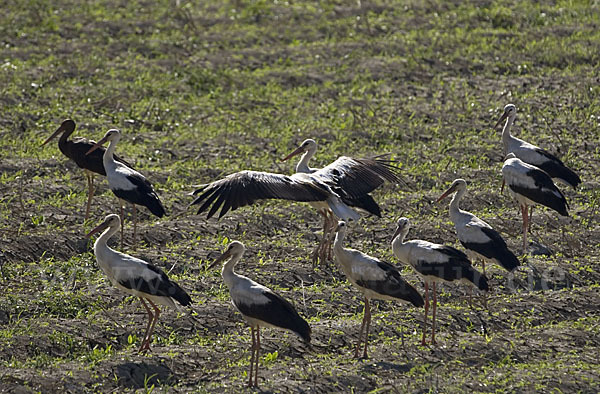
222,257
294,153
96,146
446,194
101,227
503,117
57,132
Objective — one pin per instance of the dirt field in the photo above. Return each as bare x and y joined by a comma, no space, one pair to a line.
203,90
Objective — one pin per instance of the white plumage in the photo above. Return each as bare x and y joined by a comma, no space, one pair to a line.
259,305
353,179
374,278
532,154
434,263
126,183
478,237
136,276
529,185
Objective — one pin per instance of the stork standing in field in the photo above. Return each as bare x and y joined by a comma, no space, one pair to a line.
434,263
528,185
259,305
478,237
532,154
126,183
374,278
352,178
75,149
136,277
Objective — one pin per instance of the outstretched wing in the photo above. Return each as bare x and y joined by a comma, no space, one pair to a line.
245,187
358,177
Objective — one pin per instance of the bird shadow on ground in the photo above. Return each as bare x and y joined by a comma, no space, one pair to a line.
140,375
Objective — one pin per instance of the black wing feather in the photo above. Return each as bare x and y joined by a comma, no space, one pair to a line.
557,169
142,194
358,177
545,192
496,249
393,285
278,312
457,267
159,286
245,187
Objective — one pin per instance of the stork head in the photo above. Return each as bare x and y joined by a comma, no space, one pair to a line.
111,135
306,146
509,110
235,248
341,226
457,185
66,125
111,221
403,226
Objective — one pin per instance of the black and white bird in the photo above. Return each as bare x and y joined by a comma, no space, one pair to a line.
136,277
529,185
532,154
479,238
336,189
75,149
374,278
351,178
434,263
259,305
126,183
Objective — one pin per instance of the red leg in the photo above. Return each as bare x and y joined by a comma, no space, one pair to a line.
426,309
525,227
156,315
144,345
134,226
252,349
433,315
362,327
318,252
257,358
530,217
122,221
330,236
368,317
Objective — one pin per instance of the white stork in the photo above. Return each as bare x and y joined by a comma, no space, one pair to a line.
532,154
126,183
528,185
434,263
136,277
374,278
259,305
352,178
479,238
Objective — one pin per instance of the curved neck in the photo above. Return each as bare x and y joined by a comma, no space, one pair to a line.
399,240
103,239
506,136
454,208
66,134
302,165
109,154
227,270
339,239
